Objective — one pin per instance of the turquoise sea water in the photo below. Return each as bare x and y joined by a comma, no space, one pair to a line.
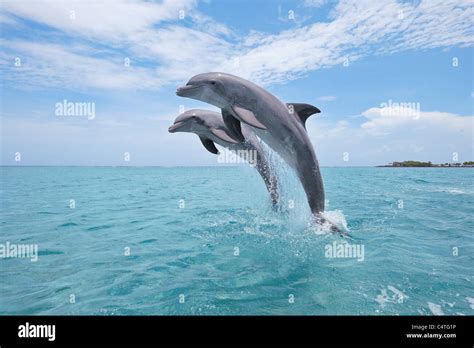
223,250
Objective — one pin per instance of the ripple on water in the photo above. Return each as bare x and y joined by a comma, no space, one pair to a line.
100,227
68,224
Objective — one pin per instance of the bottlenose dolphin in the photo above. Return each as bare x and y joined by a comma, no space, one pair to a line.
210,128
281,126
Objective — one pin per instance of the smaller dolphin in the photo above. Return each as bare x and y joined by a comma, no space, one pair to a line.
210,128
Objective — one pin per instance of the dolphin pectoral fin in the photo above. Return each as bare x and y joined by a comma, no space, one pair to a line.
209,145
303,111
233,125
221,134
248,117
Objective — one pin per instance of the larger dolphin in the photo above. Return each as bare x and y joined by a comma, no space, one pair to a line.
210,128
281,126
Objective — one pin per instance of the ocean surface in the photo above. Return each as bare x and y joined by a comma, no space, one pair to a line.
191,241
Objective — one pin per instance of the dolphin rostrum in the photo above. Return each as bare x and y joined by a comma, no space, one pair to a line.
210,128
281,126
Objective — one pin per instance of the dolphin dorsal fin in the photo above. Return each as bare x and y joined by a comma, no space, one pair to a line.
209,145
303,111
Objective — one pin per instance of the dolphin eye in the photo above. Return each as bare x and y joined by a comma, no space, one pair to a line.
213,82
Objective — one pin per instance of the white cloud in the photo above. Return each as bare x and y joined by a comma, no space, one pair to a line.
290,16
5,19
384,136
327,98
176,49
171,52
315,3
55,65
359,28
181,51
110,20
383,120
209,25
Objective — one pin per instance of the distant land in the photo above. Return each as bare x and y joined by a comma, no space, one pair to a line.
429,164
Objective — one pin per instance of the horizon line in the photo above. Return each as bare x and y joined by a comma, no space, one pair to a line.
185,166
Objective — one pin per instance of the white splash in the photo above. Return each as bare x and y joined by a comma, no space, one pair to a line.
452,190
435,308
456,191
382,299
335,217
471,302
397,296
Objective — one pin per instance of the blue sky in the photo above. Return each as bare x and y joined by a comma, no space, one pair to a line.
349,58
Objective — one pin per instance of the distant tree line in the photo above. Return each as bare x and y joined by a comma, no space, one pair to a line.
429,164
412,164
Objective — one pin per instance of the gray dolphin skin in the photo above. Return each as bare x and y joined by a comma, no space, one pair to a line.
279,125
210,128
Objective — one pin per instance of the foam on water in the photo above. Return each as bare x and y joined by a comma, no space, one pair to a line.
435,308
396,296
337,218
471,302
454,191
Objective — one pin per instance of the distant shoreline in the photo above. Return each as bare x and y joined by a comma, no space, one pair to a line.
388,166
213,166
418,164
